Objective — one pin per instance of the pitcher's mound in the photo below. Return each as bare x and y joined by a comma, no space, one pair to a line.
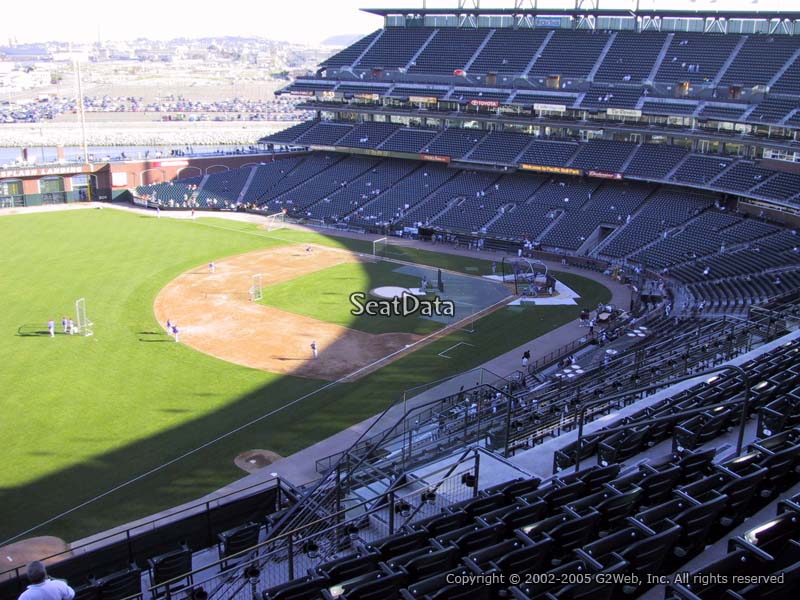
253,460
21,553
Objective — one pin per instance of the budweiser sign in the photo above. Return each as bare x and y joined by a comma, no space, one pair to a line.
604,175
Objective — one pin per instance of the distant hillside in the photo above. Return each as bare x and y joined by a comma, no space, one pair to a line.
342,40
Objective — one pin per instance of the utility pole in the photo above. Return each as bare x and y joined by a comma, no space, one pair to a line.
82,116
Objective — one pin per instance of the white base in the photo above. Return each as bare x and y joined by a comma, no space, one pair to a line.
419,292
563,296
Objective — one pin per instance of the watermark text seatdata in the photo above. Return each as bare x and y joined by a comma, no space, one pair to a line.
405,305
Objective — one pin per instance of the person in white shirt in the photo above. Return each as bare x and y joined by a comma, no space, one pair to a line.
41,587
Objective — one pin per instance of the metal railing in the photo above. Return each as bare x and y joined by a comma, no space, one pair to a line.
292,553
556,355
325,493
582,409
129,534
407,453
481,375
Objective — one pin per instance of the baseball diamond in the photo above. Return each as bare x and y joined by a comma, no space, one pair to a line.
235,360
508,307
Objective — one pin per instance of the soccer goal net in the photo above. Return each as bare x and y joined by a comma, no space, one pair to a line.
84,324
379,247
275,221
256,288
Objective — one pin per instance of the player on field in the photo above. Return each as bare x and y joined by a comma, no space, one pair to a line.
71,326
212,267
51,327
314,349
64,323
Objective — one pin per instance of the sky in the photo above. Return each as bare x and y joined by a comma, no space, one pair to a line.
297,21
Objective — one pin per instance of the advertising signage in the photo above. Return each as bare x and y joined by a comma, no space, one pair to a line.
45,171
434,158
605,175
423,99
550,107
484,103
623,112
549,169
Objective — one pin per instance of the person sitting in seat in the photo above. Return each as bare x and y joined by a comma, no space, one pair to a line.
41,587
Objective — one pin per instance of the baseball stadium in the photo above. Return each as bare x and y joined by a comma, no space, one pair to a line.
514,313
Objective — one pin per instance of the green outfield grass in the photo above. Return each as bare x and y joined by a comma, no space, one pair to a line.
81,415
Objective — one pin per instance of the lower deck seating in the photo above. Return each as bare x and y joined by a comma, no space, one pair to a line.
728,261
158,554
735,295
637,520
656,162
762,563
172,193
535,540
691,433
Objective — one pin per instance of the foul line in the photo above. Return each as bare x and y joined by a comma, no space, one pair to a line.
443,353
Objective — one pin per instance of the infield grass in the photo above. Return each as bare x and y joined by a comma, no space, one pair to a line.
82,415
324,295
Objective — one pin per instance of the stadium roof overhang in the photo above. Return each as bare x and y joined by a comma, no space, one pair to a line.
598,12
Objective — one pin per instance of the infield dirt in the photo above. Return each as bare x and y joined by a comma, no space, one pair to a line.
214,315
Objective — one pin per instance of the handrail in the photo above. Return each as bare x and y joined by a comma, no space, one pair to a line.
658,351
147,525
337,469
554,355
583,407
291,535
438,485
405,417
429,405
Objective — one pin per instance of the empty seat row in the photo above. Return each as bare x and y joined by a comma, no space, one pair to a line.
762,563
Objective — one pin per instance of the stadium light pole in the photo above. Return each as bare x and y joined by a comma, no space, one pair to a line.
82,115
